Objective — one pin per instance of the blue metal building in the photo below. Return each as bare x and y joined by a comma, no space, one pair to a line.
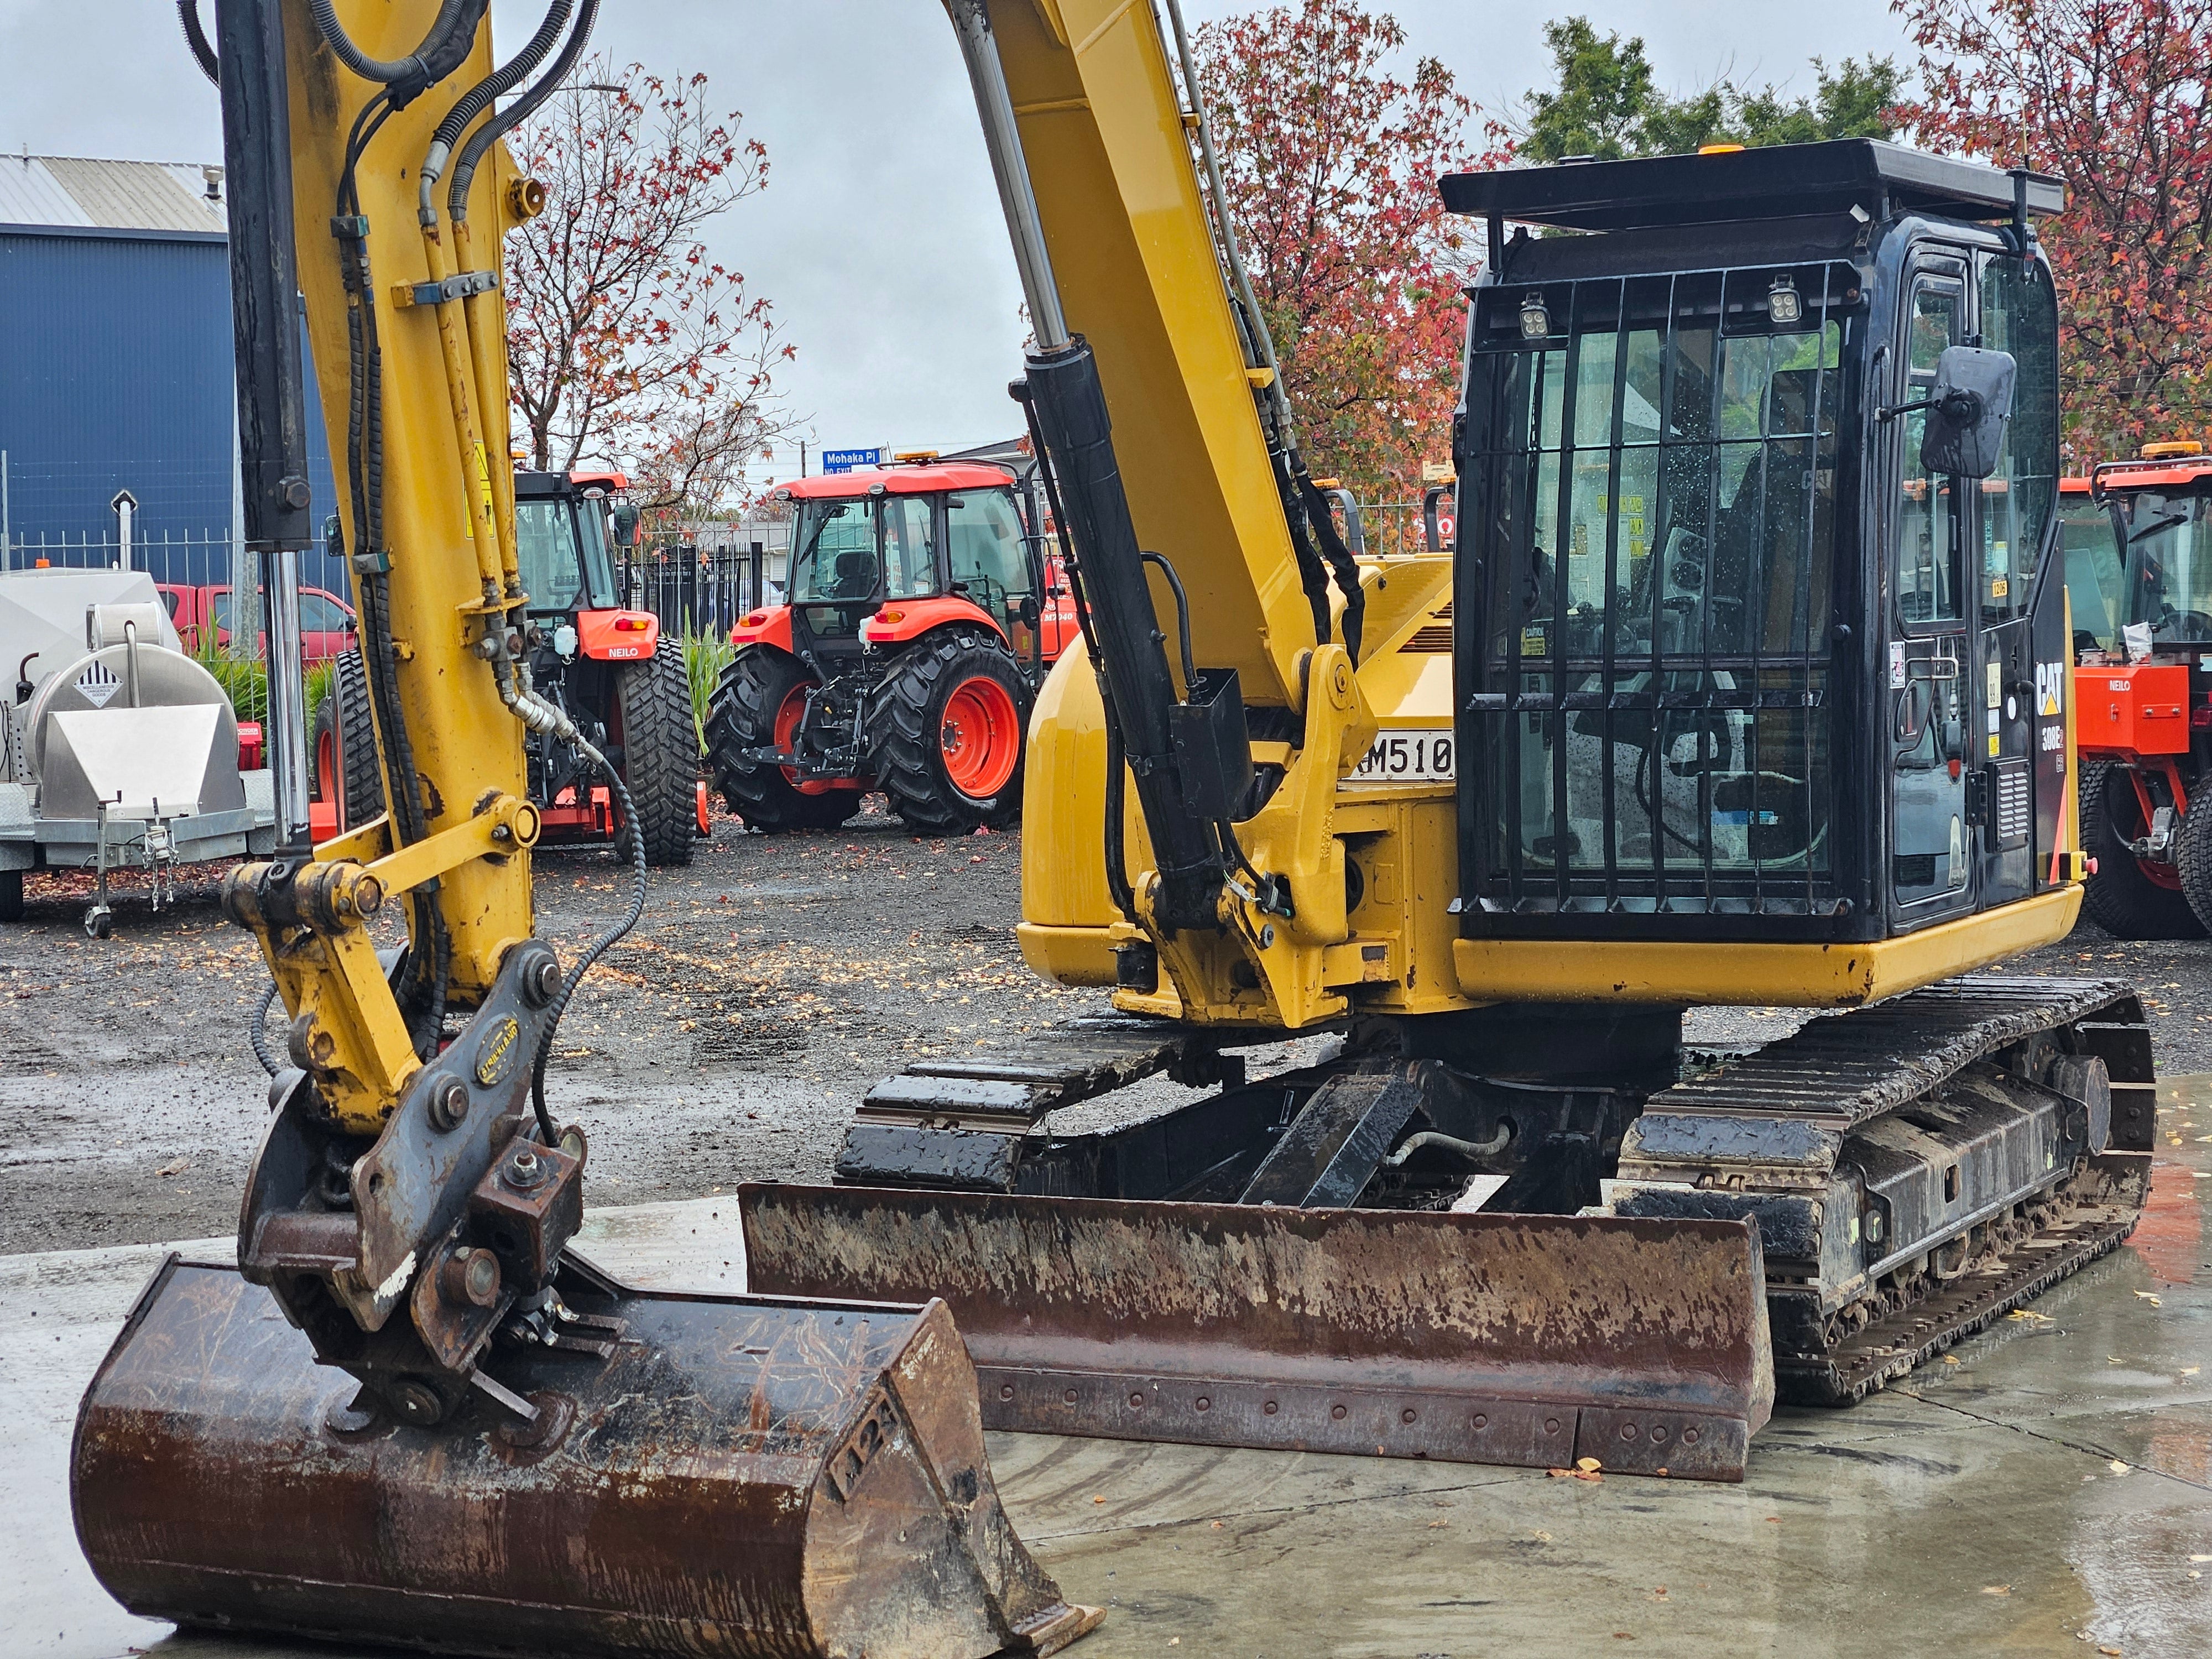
115,369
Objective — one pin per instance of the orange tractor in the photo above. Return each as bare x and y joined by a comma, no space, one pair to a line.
607,665
2139,578
921,612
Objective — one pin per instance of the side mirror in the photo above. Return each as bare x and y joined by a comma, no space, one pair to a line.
1027,609
625,524
333,538
1968,411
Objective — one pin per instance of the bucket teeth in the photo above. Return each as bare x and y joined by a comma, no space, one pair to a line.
743,1476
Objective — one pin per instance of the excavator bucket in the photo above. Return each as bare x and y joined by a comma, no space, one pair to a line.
743,1476
1528,1339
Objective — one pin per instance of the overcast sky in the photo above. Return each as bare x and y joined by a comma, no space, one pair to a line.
878,238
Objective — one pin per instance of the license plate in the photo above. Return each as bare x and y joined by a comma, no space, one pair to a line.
1406,757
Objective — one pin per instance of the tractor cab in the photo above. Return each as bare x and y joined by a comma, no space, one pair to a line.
881,556
568,529
603,663
920,615
2139,580
2145,552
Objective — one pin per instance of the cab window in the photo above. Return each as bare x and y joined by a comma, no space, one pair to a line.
836,558
909,547
1928,573
2019,315
2092,573
985,540
546,548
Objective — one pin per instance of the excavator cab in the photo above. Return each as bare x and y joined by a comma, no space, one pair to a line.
1749,661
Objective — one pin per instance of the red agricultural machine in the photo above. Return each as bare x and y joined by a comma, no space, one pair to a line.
2139,576
605,665
920,615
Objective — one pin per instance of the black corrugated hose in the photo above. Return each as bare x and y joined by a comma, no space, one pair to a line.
457,196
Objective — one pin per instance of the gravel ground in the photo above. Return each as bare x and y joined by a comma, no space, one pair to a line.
728,1038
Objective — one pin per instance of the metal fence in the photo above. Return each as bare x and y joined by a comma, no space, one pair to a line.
701,590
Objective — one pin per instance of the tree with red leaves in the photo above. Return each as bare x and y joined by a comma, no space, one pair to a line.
1330,165
2112,95
627,344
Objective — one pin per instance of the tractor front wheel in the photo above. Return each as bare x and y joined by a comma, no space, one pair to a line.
2194,854
346,771
947,726
659,751
757,706
2124,898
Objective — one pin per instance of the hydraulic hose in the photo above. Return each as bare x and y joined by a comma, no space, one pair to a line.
548,720
481,97
258,1031
324,12
188,13
465,170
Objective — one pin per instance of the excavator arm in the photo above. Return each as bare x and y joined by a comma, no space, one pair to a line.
406,1330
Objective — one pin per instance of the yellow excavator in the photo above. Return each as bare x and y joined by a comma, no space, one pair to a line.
1744,685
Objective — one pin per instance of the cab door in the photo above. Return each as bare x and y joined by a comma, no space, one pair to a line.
1929,700
2019,688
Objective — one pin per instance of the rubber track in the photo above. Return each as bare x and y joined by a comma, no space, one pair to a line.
903,744
1841,1070
660,762
1888,1348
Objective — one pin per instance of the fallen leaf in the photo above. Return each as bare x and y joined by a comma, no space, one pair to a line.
2030,1314
1951,1359
2116,1466
1660,1471
1541,1537
2150,1297
1173,1641
2190,1371
1589,1465
1556,1474
2110,1653
2193,1573
1098,1500
1996,1589
1217,1526
1433,1525
2201,1558
176,1169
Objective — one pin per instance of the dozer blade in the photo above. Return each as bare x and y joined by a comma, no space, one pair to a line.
743,1476
1526,1340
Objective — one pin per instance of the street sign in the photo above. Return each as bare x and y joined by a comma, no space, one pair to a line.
849,460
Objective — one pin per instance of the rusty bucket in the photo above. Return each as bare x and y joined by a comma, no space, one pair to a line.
1525,1340
746,1476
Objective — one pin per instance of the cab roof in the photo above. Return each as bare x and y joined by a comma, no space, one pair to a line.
533,486
1781,181
896,481
2161,472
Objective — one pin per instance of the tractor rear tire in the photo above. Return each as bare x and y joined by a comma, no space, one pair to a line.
755,689
947,731
2120,899
2194,852
659,751
346,771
